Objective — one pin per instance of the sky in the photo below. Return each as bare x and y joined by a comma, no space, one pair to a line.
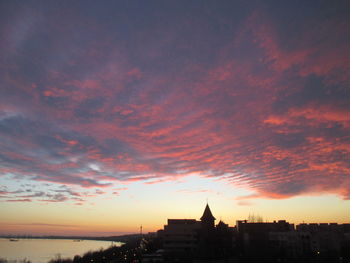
116,114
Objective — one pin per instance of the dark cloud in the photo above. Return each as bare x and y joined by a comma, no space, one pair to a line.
315,91
56,198
289,140
49,195
15,125
68,191
37,194
89,108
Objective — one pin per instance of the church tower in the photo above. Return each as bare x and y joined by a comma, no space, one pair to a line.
207,219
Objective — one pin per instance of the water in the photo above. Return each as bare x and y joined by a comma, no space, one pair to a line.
43,250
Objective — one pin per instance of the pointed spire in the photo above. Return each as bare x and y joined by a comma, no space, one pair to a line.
207,215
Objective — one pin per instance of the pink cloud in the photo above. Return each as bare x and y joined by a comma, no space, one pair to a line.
19,200
262,110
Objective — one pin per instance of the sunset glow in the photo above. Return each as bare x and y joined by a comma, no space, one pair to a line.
123,114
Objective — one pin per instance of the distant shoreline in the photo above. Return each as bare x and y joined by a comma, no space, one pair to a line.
122,238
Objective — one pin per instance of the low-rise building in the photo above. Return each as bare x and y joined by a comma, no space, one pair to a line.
181,234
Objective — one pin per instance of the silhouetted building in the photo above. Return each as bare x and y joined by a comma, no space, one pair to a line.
207,219
190,240
181,235
188,234
256,239
207,245
290,244
201,240
325,238
279,241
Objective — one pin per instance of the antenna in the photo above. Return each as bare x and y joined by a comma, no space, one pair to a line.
141,230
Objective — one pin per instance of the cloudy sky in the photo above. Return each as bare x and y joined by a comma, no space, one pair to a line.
115,114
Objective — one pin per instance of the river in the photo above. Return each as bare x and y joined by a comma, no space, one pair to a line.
43,250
